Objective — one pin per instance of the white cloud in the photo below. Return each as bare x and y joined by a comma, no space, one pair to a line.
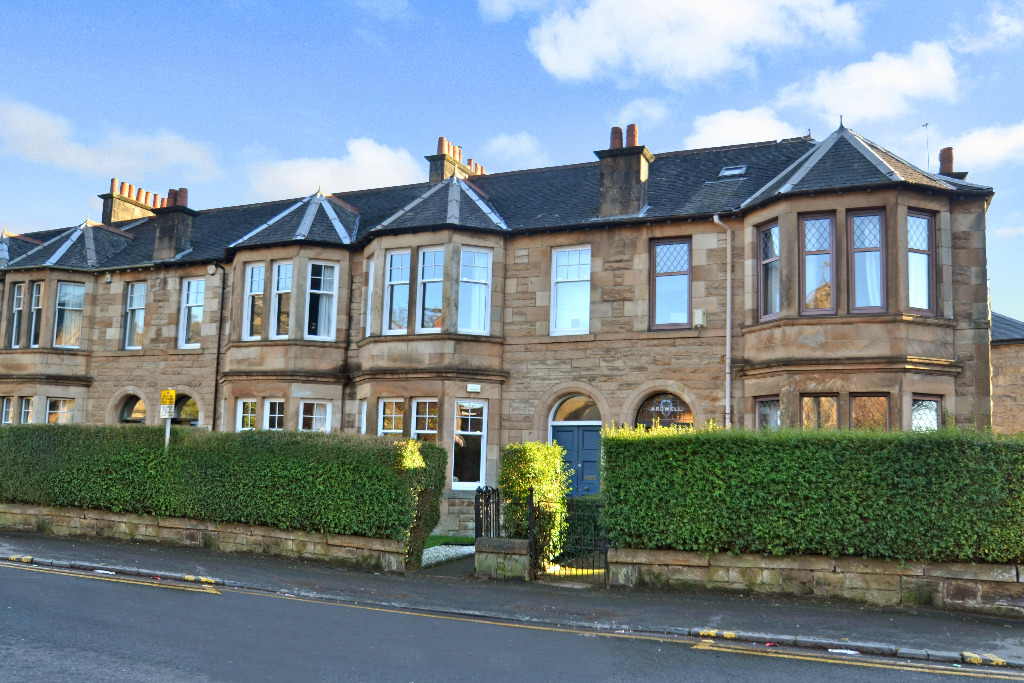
731,127
642,111
367,164
44,138
1003,26
498,10
675,42
881,88
989,147
521,150
1009,232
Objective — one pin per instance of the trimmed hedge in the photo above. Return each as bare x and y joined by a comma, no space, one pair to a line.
949,495
332,483
542,467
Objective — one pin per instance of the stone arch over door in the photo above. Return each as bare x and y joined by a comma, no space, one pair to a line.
645,390
553,396
113,413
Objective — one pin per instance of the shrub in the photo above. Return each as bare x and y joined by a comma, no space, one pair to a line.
332,483
949,495
542,467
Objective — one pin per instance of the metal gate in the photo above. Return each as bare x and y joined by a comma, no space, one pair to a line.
583,556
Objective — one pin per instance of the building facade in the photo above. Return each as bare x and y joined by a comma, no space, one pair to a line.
793,283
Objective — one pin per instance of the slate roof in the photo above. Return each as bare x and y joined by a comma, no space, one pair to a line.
680,184
1005,328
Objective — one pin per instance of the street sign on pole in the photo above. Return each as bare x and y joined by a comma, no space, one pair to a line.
167,397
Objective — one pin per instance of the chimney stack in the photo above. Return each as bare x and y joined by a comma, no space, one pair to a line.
125,202
946,164
447,163
175,224
623,181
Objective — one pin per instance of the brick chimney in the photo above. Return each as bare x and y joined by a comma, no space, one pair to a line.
623,189
448,162
946,164
175,223
125,203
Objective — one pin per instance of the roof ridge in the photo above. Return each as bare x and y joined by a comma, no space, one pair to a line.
247,206
744,145
26,238
380,189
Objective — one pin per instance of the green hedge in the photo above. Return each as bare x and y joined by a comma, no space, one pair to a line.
950,495
542,467
333,483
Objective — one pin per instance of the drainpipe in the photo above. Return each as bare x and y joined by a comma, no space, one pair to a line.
220,330
728,320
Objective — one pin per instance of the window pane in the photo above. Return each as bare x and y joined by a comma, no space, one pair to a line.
817,234
820,412
672,258
918,233
666,410
573,306
867,266
68,328
867,232
577,409
818,281
769,414
671,299
770,303
431,318
398,307
920,281
869,412
770,243
466,457
194,325
925,415
472,307
284,302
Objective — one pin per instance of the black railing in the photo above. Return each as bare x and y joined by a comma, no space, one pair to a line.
487,509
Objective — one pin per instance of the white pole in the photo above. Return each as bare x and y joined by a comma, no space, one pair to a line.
167,436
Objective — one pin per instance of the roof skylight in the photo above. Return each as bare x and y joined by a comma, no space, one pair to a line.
731,171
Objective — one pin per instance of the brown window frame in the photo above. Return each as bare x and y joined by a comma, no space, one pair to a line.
757,409
803,263
818,395
876,394
762,262
926,397
882,256
932,294
653,276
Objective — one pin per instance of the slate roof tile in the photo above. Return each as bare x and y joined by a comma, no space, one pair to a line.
1005,328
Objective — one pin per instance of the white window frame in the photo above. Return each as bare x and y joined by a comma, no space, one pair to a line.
28,410
369,298
362,416
247,300
275,296
7,411
57,308
269,403
65,407
35,319
388,284
380,416
333,293
183,312
421,283
130,312
17,313
241,413
487,289
327,417
470,485
414,432
554,289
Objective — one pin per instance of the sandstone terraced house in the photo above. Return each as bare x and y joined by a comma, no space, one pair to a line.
797,282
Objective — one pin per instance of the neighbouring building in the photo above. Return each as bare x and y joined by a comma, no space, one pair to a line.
792,282
1007,374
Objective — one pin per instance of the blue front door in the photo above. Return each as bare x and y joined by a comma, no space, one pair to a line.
582,446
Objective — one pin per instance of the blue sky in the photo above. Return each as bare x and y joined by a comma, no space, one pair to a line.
250,100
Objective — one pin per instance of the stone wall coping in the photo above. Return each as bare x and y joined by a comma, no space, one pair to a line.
508,546
22,509
965,570
388,545
184,523
870,565
289,534
812,562
668,558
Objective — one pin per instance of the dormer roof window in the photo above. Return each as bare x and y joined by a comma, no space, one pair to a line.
732,171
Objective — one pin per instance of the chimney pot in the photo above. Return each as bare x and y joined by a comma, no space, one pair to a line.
123,189
946,160
172,197
442,145
163,203
182,196
113,186
631,135
470,164
156,201
616,142
139,194
482,171
131,191
146,198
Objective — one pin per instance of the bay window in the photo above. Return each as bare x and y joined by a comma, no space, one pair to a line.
36,319
17,311
817,247
869,411
475,291
820,412
867,260
391,416
670,284
273,414
925,413
570,291
28,404
252,314
315,416
7,411
60,410
431,282
396,292
920,244
281,300
369,297
245,418
770,299
67,326
424,419
320,297
769,413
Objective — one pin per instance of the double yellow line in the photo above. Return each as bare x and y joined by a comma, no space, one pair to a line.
84,574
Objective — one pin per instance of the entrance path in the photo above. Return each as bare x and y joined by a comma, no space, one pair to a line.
451,589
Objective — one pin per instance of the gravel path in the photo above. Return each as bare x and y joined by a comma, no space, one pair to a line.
445,553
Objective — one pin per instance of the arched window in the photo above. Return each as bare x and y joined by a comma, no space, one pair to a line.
667,410
186,412
577,408
133,411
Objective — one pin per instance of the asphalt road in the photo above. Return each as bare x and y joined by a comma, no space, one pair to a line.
59,625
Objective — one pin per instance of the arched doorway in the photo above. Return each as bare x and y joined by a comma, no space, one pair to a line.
133,411
186,412
666,410
576,427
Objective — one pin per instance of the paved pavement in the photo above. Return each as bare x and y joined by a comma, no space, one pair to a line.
451,588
